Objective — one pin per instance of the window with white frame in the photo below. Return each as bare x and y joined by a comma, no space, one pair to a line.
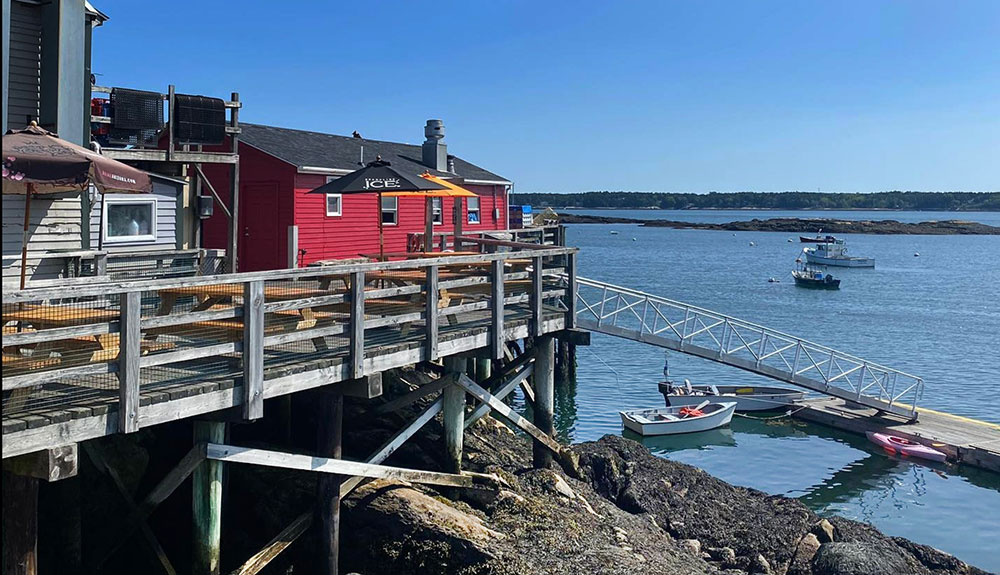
438,211
333,207
473,208
130,220
390,211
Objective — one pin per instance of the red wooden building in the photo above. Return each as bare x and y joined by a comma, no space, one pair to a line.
280,166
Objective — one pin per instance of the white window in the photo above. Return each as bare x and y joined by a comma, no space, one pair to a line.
473,204
333,205
438,211
129,220
390,209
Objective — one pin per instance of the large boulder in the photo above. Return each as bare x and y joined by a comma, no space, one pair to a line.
856,558
691,504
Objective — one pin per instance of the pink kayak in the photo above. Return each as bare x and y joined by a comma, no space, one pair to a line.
905,447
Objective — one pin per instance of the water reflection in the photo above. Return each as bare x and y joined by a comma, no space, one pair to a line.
954,508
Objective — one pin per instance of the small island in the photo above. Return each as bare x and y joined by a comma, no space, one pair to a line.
802,225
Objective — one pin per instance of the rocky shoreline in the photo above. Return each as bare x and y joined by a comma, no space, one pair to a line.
802,225
626,512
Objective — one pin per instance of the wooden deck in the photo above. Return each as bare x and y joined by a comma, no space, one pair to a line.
964,440
294,330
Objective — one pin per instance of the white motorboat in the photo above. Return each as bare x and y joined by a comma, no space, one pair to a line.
835,254
671,420
747,397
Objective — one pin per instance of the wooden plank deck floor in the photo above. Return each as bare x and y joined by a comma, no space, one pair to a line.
60,413
964,440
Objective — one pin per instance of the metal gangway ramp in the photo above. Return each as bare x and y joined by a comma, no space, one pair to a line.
630,314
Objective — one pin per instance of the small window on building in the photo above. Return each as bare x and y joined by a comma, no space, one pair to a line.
390,210
473,204
129,220
333,205
438,211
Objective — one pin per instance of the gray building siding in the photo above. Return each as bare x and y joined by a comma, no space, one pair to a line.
166,192
23,72
54,225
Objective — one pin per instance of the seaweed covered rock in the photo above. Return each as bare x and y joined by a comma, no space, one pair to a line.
691,504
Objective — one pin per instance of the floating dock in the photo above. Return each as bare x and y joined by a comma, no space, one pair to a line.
964,440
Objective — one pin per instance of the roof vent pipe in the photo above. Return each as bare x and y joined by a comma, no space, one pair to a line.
435,151
451,164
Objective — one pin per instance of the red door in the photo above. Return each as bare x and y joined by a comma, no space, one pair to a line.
262,244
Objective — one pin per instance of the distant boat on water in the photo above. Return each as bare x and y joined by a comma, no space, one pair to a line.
810,278
835,254
817,239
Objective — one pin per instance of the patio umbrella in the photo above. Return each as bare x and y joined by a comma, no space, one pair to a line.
379,177
450,191
36,161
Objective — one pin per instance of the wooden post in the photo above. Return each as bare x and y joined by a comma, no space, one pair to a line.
544,383
536,296
571,289
356,326
428,224
328,487
453,417
253,350
458,219
484,368
496,309
206,487
431,310
20,525
128,362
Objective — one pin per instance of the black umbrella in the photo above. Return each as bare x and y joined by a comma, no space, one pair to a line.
378,176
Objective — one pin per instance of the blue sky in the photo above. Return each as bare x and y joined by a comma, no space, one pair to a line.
862,95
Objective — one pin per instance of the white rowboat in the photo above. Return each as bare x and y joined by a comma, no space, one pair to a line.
668,420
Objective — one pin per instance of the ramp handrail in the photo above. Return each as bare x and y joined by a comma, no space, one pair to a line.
632,314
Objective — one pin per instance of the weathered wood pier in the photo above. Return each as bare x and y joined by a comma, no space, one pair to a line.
89,359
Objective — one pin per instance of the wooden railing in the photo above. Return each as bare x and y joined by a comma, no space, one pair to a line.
446,241
261,334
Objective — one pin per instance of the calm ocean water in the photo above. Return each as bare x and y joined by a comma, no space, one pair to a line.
936,316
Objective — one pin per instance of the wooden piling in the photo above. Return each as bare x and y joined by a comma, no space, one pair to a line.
20,524
484,368
453,415
207,502
329,443
544,386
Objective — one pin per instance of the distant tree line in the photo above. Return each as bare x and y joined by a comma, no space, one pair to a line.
944,201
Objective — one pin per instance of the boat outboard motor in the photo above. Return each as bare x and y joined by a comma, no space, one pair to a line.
687,386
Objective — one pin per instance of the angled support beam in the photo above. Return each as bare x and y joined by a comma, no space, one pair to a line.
568,459
161,492
95,455
394,443
274,547
519,377
414,396
234,454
